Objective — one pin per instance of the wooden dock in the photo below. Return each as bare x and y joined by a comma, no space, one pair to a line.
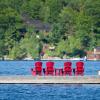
26,79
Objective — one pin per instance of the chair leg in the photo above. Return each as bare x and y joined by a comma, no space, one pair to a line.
33,72
61,72
82,73
39,73
70,74
79,73
56,73
46,73
76,74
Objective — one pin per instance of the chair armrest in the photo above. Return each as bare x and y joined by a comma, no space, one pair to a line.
31,69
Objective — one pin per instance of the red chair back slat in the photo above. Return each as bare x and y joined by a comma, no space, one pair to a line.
67,68
37,70
38,66
49,68
79,68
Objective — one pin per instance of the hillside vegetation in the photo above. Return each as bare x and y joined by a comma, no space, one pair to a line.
72,26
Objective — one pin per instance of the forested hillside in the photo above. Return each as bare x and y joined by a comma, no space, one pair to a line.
72,26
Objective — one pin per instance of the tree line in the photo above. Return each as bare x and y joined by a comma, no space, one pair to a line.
75,27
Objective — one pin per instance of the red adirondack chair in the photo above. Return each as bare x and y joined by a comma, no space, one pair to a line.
79,70
49,70
67,68
37,70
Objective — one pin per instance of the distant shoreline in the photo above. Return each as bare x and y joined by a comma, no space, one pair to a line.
50,60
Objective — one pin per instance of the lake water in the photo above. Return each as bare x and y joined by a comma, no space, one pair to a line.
23,67
47,91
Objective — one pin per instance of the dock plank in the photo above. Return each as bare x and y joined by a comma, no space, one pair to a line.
28,79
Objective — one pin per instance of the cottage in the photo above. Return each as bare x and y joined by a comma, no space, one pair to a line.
94,55
97,53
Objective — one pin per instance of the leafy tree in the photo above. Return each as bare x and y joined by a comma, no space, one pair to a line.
92,9
10,21
78,52
65,26
67,20
61,47
17,52
33,8
77,5
31,44
2,52
75,27
84,24
51,10
56,34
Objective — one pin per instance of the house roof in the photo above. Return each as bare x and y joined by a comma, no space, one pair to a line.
97,48
38,24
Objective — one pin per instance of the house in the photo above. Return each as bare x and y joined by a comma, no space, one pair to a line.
97,53
38,24
94,55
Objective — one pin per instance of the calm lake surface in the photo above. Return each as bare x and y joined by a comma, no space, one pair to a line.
23,67
47,91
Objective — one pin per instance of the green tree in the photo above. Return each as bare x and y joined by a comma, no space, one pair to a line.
61,47
33,8
65,26
31,44
10,22
92,9
51,10
75,26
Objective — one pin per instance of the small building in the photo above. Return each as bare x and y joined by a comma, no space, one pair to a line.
94,55
97,53
36,23
52,48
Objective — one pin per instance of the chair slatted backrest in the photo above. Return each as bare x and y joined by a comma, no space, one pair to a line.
50,66
80,66
38,66
67,66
